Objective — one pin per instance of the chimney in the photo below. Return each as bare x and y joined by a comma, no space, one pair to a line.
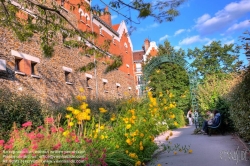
106,17
146,44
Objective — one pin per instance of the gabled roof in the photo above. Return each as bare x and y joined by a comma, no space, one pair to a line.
106,25
138,55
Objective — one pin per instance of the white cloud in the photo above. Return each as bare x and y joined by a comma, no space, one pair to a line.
193,39
241,25
203,18
163,38
148,27
177,47
113,17
179,32
229,42
225,17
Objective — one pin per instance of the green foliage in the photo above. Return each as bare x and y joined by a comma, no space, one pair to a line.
215,59
18,109
179,118
238,100
117,62
89,66
171,77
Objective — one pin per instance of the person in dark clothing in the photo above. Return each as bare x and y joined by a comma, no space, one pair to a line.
215,122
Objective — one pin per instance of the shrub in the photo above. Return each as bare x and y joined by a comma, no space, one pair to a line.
18,109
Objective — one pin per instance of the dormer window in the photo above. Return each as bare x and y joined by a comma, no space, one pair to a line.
113,40
62,2
67,74
126,47
100,30
127,65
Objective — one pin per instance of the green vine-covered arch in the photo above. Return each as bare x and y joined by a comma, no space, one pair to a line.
148,68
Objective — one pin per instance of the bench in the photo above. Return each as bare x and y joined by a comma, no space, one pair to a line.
215,128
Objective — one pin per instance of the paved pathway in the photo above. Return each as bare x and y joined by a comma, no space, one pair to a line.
215,150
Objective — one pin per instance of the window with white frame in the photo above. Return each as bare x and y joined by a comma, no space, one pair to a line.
67,74
117,88
88,80
25,64
105,81
126,47
138,67
100,30
113,40
2,65
139,79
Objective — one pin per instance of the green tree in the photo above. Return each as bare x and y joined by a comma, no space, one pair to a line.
215,59
171,77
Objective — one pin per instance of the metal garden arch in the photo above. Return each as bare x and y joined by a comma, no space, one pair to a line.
183,63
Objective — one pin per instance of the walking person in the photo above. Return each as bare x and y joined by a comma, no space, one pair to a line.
190,117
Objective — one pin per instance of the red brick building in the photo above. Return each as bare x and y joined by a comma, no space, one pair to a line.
23,67
140,57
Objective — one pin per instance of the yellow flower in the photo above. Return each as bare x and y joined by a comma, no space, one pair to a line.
141,135
133,155
102,127
69,108
75,111
79,122
102,110
172,116
175,123
88,117
175,152
88,111
102,137
171,95
71,124
138,163
83,106
112,117
133,117
81,89
66,133
128,126
67,116
129,142
79,98
141,147
126,151
190,151
117,146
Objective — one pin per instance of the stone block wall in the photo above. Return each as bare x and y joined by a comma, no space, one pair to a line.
50,84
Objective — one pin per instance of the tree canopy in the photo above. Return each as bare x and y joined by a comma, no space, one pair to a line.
171,77
215,59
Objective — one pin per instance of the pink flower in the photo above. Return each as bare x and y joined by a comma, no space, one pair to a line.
40,127
53,129
39,135
32,135
8,146
1,142
57,146
34,147
23,153
27,124
60,129
49,120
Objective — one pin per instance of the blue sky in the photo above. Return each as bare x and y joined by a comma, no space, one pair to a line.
200,22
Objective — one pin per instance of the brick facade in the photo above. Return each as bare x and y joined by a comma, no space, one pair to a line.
56,80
